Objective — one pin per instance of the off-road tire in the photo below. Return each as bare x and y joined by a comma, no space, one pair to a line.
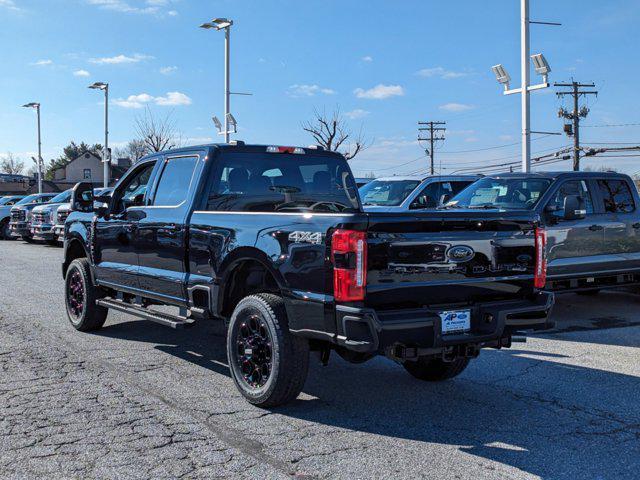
92,316
289,354
435,370
5,234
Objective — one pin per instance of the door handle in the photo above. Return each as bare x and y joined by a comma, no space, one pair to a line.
596,228
636,225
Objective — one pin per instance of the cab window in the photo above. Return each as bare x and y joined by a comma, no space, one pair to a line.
265,182
575,187
175,181
132,192
616,196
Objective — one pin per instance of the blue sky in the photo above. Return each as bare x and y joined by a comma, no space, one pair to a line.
385,64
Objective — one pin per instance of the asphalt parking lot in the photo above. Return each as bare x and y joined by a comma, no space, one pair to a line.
137,400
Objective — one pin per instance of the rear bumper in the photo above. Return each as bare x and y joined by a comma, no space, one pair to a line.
367,330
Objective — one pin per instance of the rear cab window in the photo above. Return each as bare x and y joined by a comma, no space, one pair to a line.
282,182
616,196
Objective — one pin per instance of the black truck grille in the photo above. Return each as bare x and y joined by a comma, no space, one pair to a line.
18,216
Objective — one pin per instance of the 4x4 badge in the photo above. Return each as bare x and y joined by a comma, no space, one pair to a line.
306,237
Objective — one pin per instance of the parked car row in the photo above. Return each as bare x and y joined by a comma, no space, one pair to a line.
283,245
37,216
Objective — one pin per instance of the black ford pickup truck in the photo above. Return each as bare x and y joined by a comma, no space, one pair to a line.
274,241
592,221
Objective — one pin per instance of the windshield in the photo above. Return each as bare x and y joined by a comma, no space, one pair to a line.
267,182
5,200
29,199
63,197
389,193
503,193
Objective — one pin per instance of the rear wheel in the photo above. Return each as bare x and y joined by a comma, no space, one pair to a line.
268,364
80,298
434,369
5,234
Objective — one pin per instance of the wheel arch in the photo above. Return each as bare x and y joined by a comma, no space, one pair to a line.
246,271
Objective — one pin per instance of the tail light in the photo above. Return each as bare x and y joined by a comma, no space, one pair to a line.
349,257
540,274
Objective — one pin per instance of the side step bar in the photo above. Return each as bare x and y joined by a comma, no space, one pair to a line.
166,319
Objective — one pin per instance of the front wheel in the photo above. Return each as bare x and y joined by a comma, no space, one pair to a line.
435,369
80,298
268,364
5,233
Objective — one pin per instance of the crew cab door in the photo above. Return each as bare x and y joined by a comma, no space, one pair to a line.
573,246
161,233
621,224
115,257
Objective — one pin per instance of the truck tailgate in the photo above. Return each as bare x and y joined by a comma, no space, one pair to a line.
438,258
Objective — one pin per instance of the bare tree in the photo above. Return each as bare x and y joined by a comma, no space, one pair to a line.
332,133
157,133
11,164
134,150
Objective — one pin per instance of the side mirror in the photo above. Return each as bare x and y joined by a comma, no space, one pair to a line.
444,198
82,197
574,208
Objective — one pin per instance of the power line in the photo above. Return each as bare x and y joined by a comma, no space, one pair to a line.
496,146
612,125
432,130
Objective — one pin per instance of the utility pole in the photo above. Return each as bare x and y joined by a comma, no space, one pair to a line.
575,115
433,129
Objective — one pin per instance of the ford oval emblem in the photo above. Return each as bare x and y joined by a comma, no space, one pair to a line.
460,253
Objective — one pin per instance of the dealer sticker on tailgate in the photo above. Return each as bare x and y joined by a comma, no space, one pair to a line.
455,321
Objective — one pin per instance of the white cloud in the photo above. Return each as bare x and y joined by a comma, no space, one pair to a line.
9,5
456,107
168,70
505,138
357,113
120,59
367,58
296,91
173,99
197,140
147,7
142,99
81,73
42,63
380,92
440,72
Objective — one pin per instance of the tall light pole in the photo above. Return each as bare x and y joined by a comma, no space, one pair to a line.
542,68
36,105
105,155
224,24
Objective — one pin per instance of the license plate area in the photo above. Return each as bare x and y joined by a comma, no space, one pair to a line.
455,321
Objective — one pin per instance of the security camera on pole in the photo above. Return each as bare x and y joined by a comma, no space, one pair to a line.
542,68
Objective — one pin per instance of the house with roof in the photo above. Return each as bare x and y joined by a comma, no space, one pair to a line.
88,168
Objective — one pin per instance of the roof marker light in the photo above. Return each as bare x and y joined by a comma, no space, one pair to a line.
294,150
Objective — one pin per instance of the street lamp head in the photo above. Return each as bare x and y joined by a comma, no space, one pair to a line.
540,64
232,122
217,23
31,105
501,76
99,86
217,123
